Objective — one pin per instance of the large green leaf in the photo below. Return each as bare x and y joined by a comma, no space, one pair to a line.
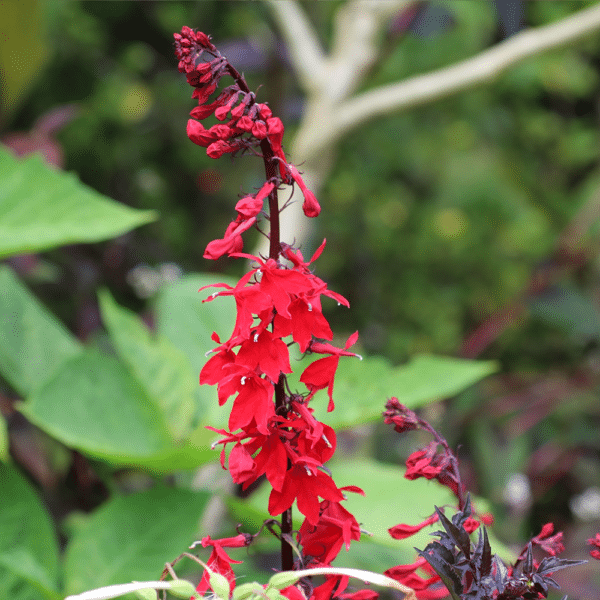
93,404
188,323
362,387
33,343
42,208
132,537
20,562
160,368
28,539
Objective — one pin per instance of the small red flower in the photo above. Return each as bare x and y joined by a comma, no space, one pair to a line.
336,527
400,416
595,543
321,373
306,485
220,561
402,531
423,463
231,242
552,544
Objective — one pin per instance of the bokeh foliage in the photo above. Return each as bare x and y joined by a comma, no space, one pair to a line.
440,221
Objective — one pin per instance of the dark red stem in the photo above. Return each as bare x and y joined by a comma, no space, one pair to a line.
287,552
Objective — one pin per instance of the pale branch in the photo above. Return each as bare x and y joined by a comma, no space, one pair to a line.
301,39
479,69
356,46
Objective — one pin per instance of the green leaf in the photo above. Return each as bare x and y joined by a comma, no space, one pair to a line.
362,387
188,323
132,537
20,562
93,404
4,455
41,208
159,367
28,541
33,343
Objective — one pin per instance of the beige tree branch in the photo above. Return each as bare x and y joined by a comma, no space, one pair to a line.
329,80
355,44
476,70
305,49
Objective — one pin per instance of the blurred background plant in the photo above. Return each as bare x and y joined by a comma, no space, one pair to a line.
467,226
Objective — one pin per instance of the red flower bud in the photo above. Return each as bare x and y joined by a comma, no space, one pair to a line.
198,134
310,206
259,130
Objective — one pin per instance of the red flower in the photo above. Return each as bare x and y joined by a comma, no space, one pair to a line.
595,543
552,544
231,242
267,353
306,320
321,373
310,206
219,560
306,485
471,524
241,465
400,416
336,527
402,531
423,463
406,574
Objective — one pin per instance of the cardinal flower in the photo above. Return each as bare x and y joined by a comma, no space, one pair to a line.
306,485
220,561
321,373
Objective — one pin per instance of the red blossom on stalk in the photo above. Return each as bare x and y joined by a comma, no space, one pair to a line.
551,544
219,561
595,543
271,429
402,531
469,570
336,527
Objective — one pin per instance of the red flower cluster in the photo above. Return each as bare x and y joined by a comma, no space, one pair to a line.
243,124
271,430
512,581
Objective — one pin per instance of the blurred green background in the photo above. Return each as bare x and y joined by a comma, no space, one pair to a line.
466,227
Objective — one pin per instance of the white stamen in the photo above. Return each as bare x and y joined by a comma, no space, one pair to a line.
338,304
256,337
214,294
359,356
214,445
243,380
326,440
307,470
309,307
